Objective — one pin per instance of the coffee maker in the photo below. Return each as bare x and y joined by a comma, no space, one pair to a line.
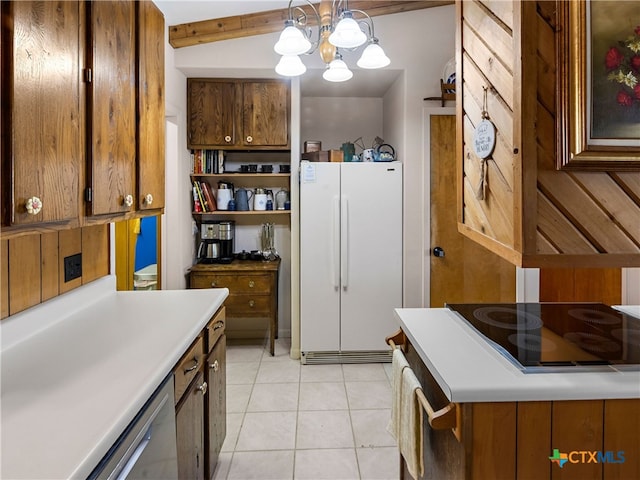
216,242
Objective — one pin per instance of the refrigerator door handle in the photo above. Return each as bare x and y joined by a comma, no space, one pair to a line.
335,247
344,242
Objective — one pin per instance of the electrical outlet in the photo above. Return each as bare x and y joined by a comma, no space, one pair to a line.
72,267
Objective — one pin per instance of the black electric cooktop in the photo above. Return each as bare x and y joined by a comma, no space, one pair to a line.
553,337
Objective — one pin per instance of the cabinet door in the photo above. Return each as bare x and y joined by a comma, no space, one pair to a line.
41,125
265,119
211,106
190,431
151,125
217,401
112,106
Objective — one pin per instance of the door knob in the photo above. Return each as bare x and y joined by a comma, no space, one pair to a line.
438,252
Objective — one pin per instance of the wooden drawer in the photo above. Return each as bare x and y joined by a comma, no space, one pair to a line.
248,305
188,367
242,283
215,328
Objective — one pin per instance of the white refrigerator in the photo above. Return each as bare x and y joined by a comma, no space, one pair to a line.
350,259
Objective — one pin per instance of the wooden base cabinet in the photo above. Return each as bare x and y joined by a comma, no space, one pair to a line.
515,440
190,431
253,289
200,398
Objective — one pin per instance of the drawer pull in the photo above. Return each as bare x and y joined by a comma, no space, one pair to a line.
218,325
252,303
249,139
227,138
194,367
251,284
203,388
213,284
215,366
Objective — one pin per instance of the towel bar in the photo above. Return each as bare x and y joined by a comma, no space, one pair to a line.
442,419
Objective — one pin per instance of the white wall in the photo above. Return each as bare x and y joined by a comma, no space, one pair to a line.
335,120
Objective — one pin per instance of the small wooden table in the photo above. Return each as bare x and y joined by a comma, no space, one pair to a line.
253,289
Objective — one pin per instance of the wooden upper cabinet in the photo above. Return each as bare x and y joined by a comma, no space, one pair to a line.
265,119
238,114
517,203
151,110
111,107
42,129
211,106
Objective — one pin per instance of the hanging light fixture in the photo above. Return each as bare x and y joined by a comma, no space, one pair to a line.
337,28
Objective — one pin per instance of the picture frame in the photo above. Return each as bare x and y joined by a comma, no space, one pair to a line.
598,104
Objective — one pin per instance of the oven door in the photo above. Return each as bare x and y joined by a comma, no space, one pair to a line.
147,448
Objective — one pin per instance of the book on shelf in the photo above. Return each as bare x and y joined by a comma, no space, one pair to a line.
207,161
197,206
208,196
200,196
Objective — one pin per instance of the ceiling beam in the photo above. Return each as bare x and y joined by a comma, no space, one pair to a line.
214,30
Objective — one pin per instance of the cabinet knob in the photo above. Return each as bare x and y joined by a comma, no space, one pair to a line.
227,139
213,284
148,199
251,284
203,388
215,366
128,200
33,206
249,139
252,303
438,252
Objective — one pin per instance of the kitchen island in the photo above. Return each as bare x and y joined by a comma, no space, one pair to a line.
501,423
77,369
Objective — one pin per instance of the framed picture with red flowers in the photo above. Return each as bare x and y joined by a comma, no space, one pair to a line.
598,78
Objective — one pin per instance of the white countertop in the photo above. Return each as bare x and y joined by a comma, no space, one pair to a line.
468,369
77,369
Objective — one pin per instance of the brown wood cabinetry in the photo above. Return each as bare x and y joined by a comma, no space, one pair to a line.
151,107
190,430
238,114
200,398
253,289
529,212
514,440
82,113
111,106
42,126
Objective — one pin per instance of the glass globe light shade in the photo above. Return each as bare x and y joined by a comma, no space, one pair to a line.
347,33
373,57
292,42
290,66
337,72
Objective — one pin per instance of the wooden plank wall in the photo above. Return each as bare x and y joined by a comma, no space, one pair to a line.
533,214
32,266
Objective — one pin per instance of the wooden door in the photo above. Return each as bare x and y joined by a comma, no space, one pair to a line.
211,113
265,120
467,272
217,402
112,107
151,125
42,133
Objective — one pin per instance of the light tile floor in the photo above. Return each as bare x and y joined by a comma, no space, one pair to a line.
291,421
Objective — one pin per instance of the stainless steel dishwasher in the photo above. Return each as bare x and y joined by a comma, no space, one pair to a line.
147,448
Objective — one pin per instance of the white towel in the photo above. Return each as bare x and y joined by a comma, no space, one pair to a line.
406,415
398,363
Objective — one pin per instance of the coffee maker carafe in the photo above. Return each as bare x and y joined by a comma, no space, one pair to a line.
216,242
